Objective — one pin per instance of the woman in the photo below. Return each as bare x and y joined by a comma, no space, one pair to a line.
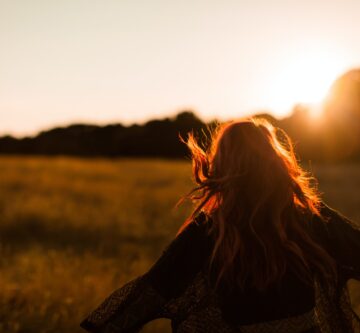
259,253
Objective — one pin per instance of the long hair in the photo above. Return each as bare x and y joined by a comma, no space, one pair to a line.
260,200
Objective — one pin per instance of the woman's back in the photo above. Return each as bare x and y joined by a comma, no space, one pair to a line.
191,253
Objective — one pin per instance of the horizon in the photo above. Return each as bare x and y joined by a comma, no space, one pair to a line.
131,61
131,123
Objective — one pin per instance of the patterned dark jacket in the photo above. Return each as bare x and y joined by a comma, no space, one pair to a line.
178,287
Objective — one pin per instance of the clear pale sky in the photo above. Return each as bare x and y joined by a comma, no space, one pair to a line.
64,61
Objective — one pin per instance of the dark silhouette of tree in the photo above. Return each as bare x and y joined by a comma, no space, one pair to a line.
156,138
342,110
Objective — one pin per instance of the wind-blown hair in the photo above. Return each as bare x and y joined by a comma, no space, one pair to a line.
260,201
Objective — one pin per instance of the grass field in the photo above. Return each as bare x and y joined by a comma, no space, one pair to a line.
73,230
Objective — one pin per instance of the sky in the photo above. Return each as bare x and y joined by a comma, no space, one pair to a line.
105,61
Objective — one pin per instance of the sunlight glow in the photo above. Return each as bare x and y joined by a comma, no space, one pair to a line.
304,79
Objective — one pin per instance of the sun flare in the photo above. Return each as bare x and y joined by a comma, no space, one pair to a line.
304,78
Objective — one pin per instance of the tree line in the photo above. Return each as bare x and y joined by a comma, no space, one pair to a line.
333,137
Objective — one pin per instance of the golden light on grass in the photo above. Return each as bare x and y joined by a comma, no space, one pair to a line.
304,78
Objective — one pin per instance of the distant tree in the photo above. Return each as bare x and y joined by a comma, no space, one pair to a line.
342,111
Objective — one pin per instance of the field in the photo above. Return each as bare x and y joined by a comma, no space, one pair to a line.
73,230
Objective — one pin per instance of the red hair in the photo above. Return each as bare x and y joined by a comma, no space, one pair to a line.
260,201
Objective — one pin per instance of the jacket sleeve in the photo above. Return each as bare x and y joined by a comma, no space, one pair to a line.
341,237
126,309
146,297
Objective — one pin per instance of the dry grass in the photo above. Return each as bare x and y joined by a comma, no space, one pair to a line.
73,230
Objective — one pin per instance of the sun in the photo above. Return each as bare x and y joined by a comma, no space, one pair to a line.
304,78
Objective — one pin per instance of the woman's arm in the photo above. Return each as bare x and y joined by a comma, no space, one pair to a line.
126,309
146,297
341,237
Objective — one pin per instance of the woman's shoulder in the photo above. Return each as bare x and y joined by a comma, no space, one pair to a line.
181,259
332,220
330,225
340,236
200,219
330,212
200,224
203,220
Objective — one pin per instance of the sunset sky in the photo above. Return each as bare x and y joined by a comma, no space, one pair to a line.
127,61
